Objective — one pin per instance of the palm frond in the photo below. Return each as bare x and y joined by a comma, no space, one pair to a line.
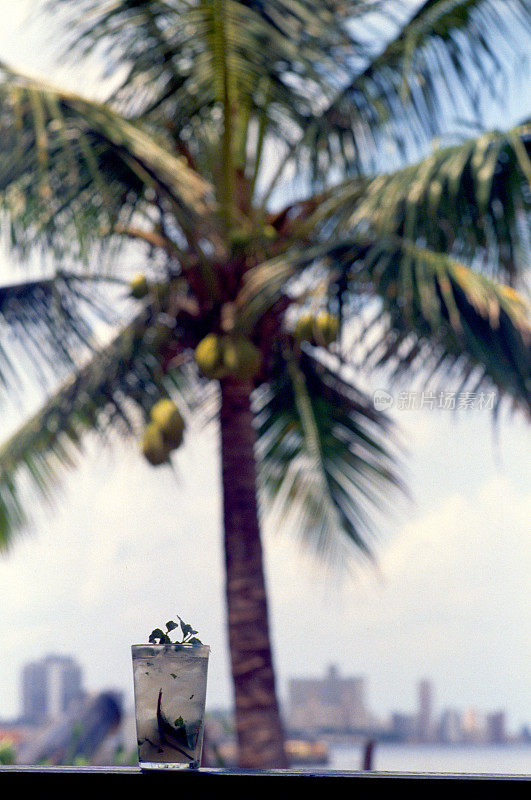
472,200
47,325
303,72
433,73
166,51
113,391
431,313
432,241
281,59
72,169
443,321
326,456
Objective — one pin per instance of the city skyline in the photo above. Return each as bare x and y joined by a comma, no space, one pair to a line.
337,703
48,686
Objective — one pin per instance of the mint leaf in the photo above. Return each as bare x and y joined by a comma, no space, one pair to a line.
158,636
187,629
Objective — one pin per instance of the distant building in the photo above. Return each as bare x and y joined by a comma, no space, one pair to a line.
48,688
496,732
425,711
331,703
451,726
474,726
403,726
525,734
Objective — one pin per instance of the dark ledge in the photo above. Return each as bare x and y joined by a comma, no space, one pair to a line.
352,776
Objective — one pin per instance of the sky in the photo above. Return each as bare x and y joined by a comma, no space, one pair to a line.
128,547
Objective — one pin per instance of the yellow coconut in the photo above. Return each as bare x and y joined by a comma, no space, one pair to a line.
154,447
209,356
304,328
269,232
326,328
168,419
241,357
139,286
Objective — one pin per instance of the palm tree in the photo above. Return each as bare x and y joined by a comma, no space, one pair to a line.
273,162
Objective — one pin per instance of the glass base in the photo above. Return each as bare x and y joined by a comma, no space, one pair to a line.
158,765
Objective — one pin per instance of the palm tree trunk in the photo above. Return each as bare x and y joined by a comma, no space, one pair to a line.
258,725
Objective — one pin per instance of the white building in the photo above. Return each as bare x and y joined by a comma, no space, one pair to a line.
332,703
48,688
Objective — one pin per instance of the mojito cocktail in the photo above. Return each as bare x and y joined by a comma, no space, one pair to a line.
170,690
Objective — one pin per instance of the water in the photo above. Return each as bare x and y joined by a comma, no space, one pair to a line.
170,690
508,759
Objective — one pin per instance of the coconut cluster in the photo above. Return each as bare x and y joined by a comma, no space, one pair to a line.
164,432
220,356
318,329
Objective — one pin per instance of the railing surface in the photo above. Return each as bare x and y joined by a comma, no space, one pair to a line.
445,780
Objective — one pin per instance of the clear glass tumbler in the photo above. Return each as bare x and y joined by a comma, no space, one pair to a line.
170,690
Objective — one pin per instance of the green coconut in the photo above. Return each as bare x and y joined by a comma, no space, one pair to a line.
162,293
168,419
158,335
326,328
241,358
209,356
240,238
139,286
154,447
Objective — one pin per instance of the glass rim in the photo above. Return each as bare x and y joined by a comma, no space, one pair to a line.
176,645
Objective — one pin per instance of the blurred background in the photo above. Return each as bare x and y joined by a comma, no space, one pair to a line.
427,655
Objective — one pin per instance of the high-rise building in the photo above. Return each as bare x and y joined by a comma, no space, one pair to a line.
496,733
48,688
425,711
474,726
451,726
333,703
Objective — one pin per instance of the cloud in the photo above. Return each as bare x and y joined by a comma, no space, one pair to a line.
452,604
461,529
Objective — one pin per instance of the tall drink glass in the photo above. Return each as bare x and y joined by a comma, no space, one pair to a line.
170,690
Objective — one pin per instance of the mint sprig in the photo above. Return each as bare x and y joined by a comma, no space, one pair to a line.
158,636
